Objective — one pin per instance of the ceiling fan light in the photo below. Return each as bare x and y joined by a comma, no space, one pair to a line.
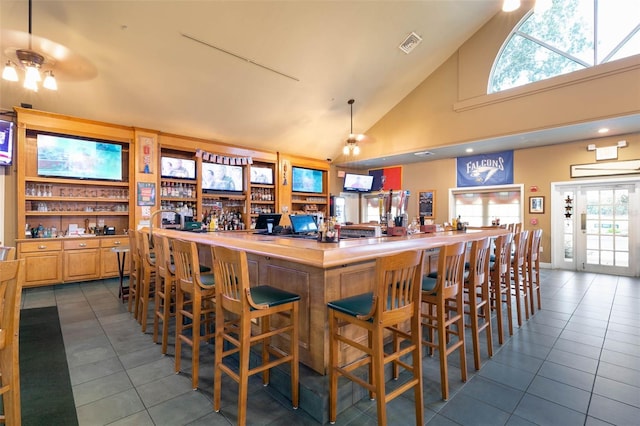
346,149
32,74
510,5
356,150
50,81
9,73
30,85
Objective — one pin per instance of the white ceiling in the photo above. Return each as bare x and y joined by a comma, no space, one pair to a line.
278,78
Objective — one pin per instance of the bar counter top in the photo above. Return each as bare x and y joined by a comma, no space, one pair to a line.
327,255
319,272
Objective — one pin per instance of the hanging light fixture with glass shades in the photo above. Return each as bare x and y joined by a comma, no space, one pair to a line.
32,63
510,5
351,144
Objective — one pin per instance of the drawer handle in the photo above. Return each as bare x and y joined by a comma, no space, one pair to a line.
116,243
42,247
82,245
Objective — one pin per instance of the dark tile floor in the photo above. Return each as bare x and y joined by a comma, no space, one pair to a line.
577,361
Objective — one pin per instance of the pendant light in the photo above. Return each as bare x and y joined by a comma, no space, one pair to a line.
351,144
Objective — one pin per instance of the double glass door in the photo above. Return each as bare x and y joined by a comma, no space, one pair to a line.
599,228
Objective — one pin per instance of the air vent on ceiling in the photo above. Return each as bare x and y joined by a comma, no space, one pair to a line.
410,42
423,153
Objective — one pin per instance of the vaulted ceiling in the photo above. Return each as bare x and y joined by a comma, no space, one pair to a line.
272,75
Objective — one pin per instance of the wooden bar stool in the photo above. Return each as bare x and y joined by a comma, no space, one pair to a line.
165,294
134,274
195,301
238,306
501,283
532,263
444,295
478,296
147,287
11,282
394,303
519,275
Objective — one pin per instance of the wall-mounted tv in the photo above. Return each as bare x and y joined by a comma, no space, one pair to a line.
6,142
222,178
306,180
78,158
180,168
358,183
262,175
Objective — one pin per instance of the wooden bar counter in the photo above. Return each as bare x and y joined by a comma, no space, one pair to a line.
319,272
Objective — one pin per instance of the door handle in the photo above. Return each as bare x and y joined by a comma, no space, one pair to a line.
583,221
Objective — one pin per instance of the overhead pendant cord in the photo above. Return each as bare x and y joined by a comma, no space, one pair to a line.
32,62
351,145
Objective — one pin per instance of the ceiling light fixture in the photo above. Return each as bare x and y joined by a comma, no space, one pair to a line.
510,5
351,144
31,61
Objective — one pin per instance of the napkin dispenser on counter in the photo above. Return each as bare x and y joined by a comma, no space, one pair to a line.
428,229
109,230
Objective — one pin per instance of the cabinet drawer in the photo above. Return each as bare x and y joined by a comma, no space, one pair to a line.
115,242
81,244
40,245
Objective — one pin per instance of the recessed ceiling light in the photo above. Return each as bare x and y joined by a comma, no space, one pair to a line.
469,150
603,130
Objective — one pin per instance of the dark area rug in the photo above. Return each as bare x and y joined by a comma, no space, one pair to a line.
45,387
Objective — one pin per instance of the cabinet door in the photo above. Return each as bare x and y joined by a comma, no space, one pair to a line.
42,268
81,264
109,263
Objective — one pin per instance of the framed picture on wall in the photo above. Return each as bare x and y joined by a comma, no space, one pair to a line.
536,205
427,203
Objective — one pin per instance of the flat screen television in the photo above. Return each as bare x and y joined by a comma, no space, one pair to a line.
6,142
264,218
303,224
78,158
180,168
306,180
222,178
262,175
357,183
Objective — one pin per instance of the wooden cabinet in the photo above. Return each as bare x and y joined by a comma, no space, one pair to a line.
109,259
43,261
81,259
60,260
262,190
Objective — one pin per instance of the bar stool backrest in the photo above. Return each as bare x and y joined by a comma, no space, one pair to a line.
11,281
185,258
520,248
479,261
450,270
7,253
398,287
503,253
163,255
533,248
232,280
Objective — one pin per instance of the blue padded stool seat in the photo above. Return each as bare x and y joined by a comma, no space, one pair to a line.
207,280
271,296
429,282
354,305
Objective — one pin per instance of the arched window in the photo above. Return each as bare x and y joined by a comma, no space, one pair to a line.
561,36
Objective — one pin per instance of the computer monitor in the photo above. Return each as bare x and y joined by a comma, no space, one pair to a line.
265,218
303,224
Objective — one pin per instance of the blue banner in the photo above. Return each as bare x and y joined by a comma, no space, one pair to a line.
485,169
